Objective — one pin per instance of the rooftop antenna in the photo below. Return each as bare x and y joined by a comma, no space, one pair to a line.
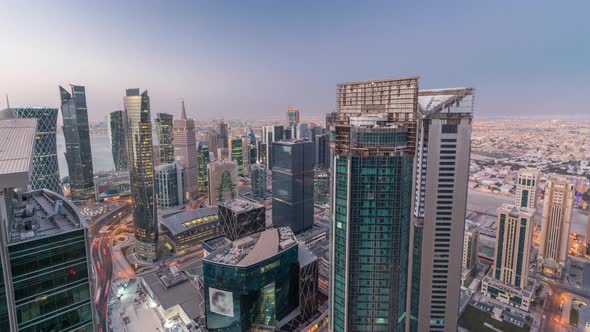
183,112
7,102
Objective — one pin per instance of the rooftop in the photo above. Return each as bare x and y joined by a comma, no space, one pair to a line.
435,100
42,213
180,222
17,141
255,248
170,288
514,211
241,205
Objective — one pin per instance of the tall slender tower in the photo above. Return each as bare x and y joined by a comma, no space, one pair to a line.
555,226
526,188
373,153
292,117
117,137
77,137
141,172
440,196
164,129
185,150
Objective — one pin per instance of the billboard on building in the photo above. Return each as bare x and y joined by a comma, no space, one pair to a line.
221,302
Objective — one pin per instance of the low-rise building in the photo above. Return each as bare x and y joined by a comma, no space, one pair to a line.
188,229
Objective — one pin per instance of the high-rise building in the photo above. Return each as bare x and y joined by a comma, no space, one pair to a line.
271,134
45,167
170,184
555,226
202,162
302,131
117,137
508,278
239,218
223,181
258,180
138,128
373,153
470,243
322,151
292,185
240,153
443,147
526,188
218,137
164,123
321,186
45,282
77,137
185,150
292,117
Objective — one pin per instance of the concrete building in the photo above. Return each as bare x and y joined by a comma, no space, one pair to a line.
78,148
116,123
258,180
527,182
239,218
185,151
164,125
292,185
443,135
555,226
470,245
223,181
141,173
218,137
170,184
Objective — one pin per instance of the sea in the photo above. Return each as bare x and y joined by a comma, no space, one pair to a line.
102,157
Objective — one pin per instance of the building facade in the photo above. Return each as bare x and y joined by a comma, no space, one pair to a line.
218,137
292,117
555,226
239,218
223,181
443,147
170,184
470,243
185,151
203,160
117,138
292,185
271,134
77,137
164,123
526,188
188,229
258,180
141,173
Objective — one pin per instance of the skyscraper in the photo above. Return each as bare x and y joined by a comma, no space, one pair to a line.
239,218
117,137
271,134
202,162
236,153
373,153
440,196
170,184
258,180
292,185
164,129
292,117
185,150
77,137
526,188
470,243
141,173
45,168
322,151
223,181
218,137
555,226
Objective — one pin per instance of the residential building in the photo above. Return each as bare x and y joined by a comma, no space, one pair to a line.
164,125
526,188
223,179
258,180
141,172
292,117
170,184
77,137
555,226
116,122
185,151
443,135
292,185
239,218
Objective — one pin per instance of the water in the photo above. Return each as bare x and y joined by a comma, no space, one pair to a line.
102,158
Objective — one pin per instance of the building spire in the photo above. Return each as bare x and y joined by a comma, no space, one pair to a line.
183,113
7,102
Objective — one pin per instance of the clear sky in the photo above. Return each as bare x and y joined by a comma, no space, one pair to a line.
254,58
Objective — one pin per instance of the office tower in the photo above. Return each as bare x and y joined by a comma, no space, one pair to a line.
526,188
302,131
218,137
45,168
223,154
373,153
239,218
288,133
164,123
77,137
271,134
45,268
185,150
322,151
555,226
440,195
253,144
258,180
261,153
508,279
156,155
470,243
202,162
117,138
246,157
170,184
223,179
236,153
292,117
321,186
264,281
292,185
141,172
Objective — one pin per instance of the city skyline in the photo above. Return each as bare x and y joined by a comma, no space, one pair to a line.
199,61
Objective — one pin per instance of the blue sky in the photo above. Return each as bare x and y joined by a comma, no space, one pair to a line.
254,58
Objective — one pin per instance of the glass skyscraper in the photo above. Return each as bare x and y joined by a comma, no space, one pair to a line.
45,173
141,173
117,139
202,162
169,184
164,129
292,185
77,137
